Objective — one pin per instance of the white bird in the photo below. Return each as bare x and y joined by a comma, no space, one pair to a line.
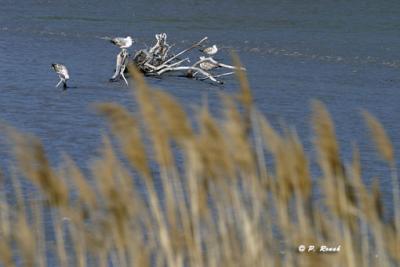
122,42
212,50
62,72
208,64
122,61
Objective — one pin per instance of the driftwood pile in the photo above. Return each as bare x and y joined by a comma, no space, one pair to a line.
158,60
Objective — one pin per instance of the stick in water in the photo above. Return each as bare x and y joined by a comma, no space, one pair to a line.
180,53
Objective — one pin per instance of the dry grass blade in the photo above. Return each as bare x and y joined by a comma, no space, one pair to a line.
245,97
376,200
174,117
127,130
25,240
301,173
33,162
271,138
212,148
6,256
381,139
325,139
150,115
87,194
235,131
385,149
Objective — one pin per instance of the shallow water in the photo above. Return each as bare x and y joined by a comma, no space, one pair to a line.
344,53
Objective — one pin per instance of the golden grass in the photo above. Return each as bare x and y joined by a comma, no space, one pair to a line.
222,206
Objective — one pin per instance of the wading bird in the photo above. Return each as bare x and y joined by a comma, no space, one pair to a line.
122,61
62,72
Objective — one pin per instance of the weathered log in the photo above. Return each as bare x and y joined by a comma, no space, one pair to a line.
140,59
190,70
156,61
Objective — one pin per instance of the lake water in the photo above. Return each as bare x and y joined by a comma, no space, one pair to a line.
344,53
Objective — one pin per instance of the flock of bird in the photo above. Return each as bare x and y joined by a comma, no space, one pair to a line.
124,43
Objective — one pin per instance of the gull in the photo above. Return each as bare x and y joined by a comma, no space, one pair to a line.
122,42
212,50
122,61
207,64
62,72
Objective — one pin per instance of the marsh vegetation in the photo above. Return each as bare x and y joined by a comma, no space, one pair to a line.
217,201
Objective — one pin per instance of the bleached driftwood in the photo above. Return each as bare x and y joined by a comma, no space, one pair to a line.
157,58
215,63
184,51
208,64
219,75
157,61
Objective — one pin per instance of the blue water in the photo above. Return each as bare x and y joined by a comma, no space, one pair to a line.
344,53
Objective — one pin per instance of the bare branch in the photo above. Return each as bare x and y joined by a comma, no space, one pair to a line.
179,62
229,66
155,61
219,75
206,74
182,52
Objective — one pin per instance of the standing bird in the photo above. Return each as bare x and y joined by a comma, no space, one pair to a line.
62,72
122,61
123,43
207,64
212,50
